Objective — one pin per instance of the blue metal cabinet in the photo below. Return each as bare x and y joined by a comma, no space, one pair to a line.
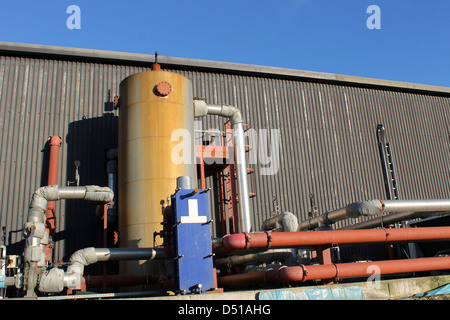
193,259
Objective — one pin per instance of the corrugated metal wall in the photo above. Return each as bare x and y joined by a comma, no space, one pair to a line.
328,144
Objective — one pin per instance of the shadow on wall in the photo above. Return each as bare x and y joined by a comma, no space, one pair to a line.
8,236
87,140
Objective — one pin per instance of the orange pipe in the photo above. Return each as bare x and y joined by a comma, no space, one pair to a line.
314,238
335,271
55,144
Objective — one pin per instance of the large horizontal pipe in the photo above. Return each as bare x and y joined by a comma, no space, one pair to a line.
384,221
314,238
335,271
111,254
374,208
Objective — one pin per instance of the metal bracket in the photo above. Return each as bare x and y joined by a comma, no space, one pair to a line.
248,239
269,239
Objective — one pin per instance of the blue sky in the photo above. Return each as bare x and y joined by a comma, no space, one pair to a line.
412,45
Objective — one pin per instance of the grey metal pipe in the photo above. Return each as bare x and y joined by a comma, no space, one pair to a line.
428,205
184,182
115,254
241,169
376,207
327,218
386,220
255,258
202,109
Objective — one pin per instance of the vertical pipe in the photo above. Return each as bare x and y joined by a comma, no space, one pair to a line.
241,169
105,241
55,144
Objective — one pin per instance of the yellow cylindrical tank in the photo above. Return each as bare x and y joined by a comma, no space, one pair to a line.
156,145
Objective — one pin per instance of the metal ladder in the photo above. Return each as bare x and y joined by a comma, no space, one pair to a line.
390,163
387,163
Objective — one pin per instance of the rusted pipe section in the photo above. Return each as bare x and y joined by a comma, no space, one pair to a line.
314,238
374,208
335,271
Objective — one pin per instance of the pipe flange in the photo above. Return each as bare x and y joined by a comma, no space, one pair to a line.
336,278
247,240
164,88
269,239
305,272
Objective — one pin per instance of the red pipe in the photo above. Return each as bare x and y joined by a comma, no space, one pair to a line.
55,144
314,238
335,271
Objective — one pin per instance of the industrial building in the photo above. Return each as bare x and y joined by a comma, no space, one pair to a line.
275,167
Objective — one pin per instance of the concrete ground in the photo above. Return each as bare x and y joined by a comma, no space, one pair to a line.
382,290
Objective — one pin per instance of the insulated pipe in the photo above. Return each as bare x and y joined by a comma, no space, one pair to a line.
234,114
90,255
335,271
56,279
111,169
34,228
314,238
286,220
373,208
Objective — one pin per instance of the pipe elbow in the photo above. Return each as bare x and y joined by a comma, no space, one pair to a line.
42,195
234,241
291,274
84,257
236,115
55,141
201,109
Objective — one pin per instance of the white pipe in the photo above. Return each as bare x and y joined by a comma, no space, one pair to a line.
234,114
241,169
